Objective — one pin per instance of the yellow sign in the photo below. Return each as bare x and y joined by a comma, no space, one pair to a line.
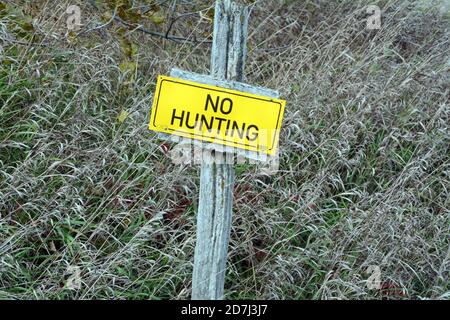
218,115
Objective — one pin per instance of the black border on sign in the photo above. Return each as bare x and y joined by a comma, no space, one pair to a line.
236,94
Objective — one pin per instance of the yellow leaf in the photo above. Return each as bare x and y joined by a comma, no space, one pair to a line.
158,17
122,116
128,66
72,37
134,49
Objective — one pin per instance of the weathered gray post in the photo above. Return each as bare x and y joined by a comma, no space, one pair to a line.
217,180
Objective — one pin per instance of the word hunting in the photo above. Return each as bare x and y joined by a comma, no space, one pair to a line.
230,127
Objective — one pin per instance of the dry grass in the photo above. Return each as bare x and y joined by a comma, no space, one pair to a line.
364,172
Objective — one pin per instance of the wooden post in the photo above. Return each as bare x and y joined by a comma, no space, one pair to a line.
217,179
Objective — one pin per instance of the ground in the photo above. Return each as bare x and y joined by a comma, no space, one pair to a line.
91,205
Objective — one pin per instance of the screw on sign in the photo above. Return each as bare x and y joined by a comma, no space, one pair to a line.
218,115
227,116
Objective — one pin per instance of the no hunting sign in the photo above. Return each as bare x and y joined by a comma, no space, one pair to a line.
219,115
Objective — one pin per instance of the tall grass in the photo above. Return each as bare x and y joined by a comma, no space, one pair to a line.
364,166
